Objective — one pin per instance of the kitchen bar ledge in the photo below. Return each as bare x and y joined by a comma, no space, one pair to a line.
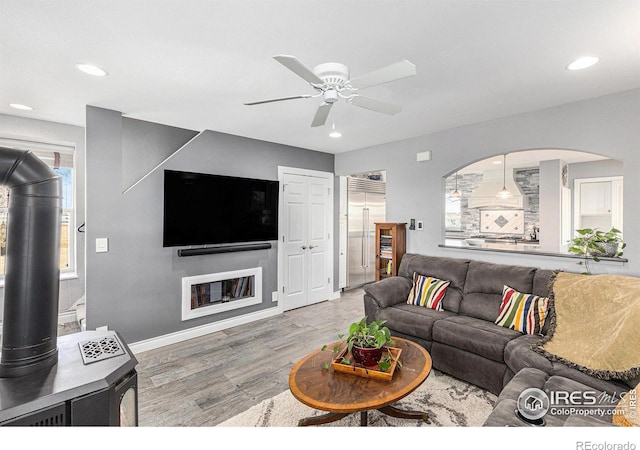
511,247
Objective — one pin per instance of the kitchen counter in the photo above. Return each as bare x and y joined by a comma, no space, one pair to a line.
516,247
496,244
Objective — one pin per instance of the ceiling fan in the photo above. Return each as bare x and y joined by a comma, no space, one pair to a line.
332,82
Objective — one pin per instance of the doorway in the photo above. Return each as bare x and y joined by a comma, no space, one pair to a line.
305,250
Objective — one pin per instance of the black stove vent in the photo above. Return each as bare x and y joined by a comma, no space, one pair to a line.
100,349
32,278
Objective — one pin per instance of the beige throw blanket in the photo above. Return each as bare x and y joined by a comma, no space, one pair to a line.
595,324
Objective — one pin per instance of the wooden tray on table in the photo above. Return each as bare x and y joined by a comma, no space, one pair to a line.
369,371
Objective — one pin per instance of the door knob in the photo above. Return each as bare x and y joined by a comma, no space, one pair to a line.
304,247
312,246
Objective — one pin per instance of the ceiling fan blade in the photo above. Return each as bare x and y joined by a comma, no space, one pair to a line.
392,72
321,115
293,64
293,97
376,105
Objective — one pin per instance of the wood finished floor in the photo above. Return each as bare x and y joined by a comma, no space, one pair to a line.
204,381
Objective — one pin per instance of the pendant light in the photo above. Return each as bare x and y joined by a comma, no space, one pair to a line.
456,193
504,192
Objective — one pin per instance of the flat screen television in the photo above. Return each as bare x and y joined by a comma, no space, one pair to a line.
202,209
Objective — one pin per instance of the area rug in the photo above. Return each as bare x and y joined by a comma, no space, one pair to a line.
448,401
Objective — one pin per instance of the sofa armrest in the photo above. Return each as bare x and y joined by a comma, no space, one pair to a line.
388,292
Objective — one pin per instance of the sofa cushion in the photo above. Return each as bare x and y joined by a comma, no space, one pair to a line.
412,320
504,412
603,404
484,284
518,355
474,335
453,270
542,282
470,367
522,312
427,291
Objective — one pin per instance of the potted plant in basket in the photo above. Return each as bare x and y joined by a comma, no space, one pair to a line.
367,343
592,243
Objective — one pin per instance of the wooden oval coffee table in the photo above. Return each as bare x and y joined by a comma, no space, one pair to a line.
342,393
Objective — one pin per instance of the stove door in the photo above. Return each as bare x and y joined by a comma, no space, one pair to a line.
125,407
127,392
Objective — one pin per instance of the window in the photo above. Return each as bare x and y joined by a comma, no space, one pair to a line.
60,157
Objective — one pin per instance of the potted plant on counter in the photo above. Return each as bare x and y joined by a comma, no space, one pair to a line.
593,244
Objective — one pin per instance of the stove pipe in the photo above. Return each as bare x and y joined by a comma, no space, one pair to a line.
32,276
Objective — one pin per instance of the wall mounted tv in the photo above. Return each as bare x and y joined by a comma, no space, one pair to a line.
202,209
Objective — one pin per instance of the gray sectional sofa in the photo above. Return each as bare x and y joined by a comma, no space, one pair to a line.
464,340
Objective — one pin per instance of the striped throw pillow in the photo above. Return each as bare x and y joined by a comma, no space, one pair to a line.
522,312
427,291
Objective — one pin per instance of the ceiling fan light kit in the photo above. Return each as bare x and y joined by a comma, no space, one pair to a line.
332,82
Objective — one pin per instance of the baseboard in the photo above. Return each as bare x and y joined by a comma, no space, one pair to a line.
191,333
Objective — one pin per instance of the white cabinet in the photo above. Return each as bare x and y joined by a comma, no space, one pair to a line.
598,203
595,198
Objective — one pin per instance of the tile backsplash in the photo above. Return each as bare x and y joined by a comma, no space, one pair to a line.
502,221
469,219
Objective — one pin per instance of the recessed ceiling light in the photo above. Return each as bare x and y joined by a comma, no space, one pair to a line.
583,62
92,70
21,107
335,134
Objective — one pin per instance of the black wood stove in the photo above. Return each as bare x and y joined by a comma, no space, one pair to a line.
86,378
94,383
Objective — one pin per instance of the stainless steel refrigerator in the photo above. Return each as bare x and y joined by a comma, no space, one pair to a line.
366,205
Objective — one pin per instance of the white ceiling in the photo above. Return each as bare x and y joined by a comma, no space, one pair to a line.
192,63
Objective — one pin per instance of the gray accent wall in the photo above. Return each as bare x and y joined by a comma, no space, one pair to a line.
71,289
145,145
605,125
135,288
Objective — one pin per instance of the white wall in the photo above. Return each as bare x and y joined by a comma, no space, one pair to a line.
606,125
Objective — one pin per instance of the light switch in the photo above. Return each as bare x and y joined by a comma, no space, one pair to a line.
420,225
102,245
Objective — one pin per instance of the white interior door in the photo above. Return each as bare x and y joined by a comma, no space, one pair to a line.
318,233
294,241
342,235
307,249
